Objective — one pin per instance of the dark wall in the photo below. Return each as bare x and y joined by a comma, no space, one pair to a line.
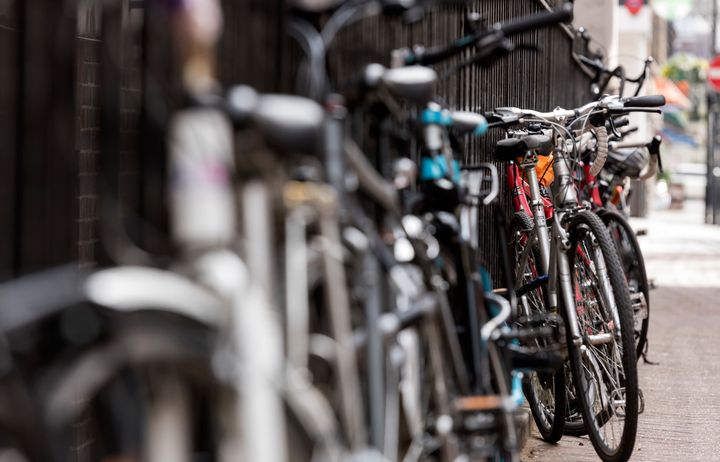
125,67
50,132
36,126
8,102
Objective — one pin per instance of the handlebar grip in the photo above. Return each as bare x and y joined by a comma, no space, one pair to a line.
537,21
645,101
629,130
602,150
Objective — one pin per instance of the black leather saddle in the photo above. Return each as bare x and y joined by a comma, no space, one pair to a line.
511,148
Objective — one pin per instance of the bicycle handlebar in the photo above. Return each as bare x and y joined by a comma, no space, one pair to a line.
537,21
608,105
514,27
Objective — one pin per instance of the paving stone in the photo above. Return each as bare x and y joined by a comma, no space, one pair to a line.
682,392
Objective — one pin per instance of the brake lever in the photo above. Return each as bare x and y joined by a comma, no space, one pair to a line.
654,149
613,129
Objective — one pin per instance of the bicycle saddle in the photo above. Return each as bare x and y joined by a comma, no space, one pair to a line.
290,123
510,148
412,83
287,123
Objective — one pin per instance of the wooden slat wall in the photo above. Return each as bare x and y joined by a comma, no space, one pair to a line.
37,122
255,50
8,107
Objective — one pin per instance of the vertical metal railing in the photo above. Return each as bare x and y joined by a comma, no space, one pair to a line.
256,50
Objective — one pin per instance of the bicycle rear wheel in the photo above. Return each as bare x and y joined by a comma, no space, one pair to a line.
545,392
604,364
633,265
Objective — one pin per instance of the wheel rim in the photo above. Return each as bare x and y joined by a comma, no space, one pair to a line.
603,374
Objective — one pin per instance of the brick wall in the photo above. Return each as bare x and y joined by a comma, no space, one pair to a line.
88,120
8,101
88,131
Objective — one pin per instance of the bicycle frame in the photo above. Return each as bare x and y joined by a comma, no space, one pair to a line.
553,243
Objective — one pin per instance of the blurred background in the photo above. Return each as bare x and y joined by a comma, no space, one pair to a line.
682,37
87,89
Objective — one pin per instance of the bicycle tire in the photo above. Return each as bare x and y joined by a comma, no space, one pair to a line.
588,235
633,265
142,348
551,387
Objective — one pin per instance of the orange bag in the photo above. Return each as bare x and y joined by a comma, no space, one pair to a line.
544,169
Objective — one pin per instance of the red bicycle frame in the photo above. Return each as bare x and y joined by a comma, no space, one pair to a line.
521,191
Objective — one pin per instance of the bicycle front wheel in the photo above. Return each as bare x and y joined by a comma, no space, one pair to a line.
604,363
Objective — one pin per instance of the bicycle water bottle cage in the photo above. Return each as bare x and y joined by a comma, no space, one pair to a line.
511,148
435,168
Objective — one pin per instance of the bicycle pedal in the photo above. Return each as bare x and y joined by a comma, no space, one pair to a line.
478,403
641,232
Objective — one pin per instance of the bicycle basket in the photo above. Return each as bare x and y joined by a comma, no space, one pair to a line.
627,161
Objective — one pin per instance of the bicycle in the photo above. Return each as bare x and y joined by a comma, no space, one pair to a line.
584,276
398,83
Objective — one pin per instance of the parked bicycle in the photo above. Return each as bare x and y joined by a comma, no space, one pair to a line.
328,298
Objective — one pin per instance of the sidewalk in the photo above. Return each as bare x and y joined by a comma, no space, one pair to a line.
682,392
